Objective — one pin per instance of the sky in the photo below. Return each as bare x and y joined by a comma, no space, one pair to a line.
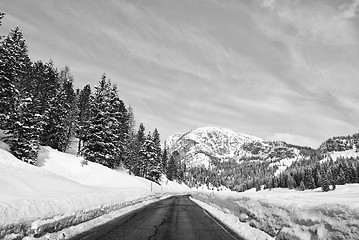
276,69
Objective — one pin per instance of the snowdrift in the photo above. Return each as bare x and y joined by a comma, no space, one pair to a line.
61,192
290,214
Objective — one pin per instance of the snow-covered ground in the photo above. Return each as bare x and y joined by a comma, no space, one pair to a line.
343,154
290,214
61,192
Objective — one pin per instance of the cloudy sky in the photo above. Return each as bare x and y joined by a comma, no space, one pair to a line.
277,69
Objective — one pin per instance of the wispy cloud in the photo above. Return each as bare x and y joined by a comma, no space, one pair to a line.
268,67
351,10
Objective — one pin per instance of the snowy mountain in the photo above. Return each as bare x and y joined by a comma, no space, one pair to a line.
199,146
205,145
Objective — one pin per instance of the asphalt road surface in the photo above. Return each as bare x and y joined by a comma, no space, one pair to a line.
173,218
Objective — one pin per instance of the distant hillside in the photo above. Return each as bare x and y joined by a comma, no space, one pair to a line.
220,156
339,144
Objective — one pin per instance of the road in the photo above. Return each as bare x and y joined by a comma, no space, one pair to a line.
176,217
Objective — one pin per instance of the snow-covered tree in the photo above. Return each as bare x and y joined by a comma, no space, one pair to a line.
309,180
119,126
1,16
138,164
164,160
130,146
61,116
157,149
14,64
25,132
18,116
104,131
325,182
70,106
152,164
84,113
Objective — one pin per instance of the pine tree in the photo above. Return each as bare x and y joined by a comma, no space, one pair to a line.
164,160
172,169
325,182
101,138
119,125
130,147
310,180
319,177
291,182
341,177
17,108
53,107
1,16
138,161
61,116
43,84
182,170
24,140
84,114
302,186
158,151
275,182
70,105
14,64
151,161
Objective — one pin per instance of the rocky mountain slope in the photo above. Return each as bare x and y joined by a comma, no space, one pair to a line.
208,145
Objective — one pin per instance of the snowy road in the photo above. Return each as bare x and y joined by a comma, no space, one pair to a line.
176,217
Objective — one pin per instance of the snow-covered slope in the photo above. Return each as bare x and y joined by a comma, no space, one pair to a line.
352,153
92,174
202,145
60,188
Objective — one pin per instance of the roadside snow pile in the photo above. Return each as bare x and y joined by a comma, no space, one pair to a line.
290,214
73,231
242,229
61,192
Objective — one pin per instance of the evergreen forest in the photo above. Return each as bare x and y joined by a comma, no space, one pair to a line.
39,106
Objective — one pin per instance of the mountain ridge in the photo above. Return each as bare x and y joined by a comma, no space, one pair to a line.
203,145
221,157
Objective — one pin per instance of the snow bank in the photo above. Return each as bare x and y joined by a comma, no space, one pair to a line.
290,214
242,229
72,231
61,192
